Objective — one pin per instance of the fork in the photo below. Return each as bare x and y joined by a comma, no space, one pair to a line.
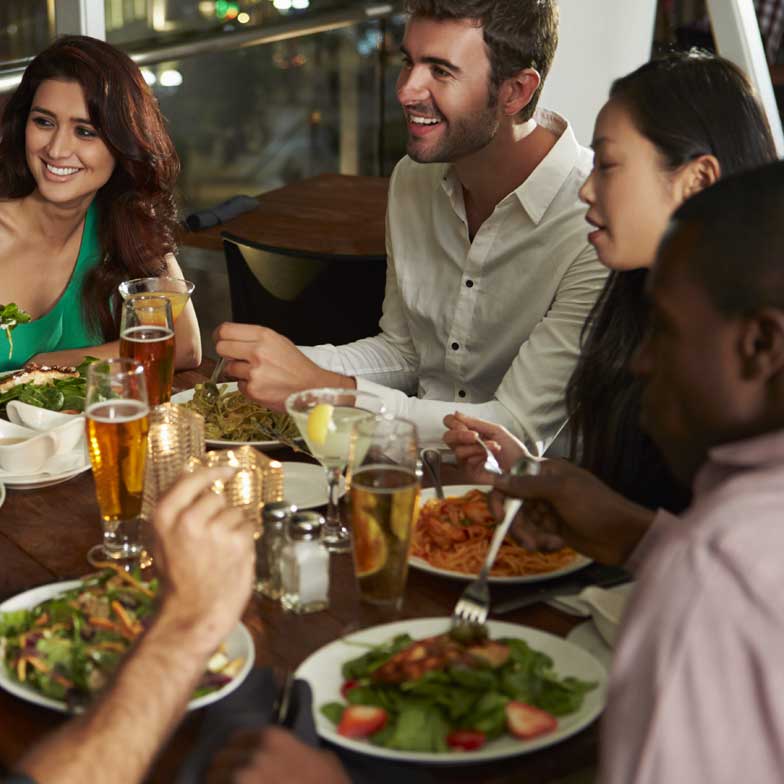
491,464
211,387
473,606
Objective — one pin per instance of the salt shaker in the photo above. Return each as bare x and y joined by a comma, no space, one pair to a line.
269,547
304,565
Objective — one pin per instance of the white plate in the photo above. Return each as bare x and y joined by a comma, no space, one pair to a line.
2,493
305,485
239,643
52,473
428,494
322,671
231,386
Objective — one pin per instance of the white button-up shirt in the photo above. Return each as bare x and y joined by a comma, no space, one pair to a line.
490,327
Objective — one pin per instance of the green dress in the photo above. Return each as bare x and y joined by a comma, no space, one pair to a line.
63,327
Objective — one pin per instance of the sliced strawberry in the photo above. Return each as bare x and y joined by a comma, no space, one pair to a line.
347,686
526,721
359,721
465,740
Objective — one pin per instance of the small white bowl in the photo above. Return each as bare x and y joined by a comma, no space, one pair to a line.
36,417
22,450
607,607
70,435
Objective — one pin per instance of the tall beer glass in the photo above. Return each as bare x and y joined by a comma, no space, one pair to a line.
147,336
117,421
384,478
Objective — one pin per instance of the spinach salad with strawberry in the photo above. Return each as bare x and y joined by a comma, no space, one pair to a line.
440,694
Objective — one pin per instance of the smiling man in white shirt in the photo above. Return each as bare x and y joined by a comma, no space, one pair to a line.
489,273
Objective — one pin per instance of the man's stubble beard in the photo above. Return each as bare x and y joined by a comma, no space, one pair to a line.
464,137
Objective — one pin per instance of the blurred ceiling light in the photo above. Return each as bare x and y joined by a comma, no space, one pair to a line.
243,18
207,8
149,76
170,78
300,5
282,5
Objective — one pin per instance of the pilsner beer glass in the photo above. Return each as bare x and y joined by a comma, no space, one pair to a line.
147,336
384,478
117,420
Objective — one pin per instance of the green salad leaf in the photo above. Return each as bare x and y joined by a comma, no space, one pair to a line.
422,712
56,394
10,317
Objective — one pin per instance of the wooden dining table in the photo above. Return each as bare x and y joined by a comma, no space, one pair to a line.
45,535
337,216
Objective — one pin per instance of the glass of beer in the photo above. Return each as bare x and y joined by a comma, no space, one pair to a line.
117,419
384,477
147,336
177,290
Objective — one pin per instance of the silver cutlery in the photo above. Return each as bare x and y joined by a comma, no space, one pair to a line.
211,387
473,606
432,461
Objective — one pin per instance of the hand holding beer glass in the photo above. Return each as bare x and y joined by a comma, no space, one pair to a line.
117,421
147,336
384,477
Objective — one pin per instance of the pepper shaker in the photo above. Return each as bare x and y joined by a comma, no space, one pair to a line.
269,547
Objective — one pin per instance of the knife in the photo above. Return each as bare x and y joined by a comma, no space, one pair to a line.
601,576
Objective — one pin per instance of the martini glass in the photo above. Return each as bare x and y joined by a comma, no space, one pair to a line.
176,290
325,418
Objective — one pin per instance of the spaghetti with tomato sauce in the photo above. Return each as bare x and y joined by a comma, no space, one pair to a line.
454,534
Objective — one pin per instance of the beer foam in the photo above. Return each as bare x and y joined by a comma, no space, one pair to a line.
116,411
143,334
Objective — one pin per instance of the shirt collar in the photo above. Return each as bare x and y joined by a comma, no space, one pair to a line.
539,189
757,452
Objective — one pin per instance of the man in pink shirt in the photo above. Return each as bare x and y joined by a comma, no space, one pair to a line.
697,684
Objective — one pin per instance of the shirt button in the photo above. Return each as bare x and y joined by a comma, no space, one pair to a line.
461,393
469,283
455,346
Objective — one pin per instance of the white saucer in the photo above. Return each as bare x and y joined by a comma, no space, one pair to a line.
305,485
57,469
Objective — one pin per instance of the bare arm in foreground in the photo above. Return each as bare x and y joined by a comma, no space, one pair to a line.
205,559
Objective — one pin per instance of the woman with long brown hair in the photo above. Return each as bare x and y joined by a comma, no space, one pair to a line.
87,173
669,129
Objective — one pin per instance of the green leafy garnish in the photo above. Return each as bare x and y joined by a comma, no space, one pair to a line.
11,316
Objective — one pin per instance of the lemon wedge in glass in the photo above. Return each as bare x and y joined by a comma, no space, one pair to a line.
319,421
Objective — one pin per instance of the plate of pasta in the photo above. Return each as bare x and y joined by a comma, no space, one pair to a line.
451,538
231,419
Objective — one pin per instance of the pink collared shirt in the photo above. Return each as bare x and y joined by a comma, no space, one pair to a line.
697,683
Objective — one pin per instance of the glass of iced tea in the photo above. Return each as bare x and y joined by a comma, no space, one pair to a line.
117,411
147,336
177,290
384,478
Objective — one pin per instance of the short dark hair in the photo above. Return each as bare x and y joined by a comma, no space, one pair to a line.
738,254
518,34
694,103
